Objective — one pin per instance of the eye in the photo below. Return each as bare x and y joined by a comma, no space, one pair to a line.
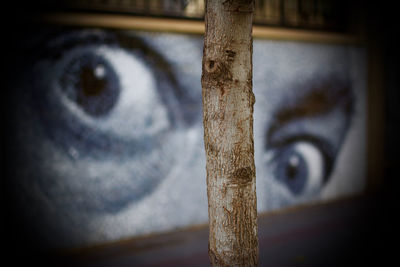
110,89
300,167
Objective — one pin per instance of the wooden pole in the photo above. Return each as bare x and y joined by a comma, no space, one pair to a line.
228,133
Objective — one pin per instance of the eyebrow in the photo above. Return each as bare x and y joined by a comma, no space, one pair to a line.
318,97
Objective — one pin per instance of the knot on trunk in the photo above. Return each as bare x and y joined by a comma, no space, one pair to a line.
242,176
217,69
211,66
239,5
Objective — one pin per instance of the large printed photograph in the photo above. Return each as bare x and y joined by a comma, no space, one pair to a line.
105,139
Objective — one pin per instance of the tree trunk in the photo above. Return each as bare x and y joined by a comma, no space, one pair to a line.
228,133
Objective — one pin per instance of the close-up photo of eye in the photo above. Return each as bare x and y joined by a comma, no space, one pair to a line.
106,129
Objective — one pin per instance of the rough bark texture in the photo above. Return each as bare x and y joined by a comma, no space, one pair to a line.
228,133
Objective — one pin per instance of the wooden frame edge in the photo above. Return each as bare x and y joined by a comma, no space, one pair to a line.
128,22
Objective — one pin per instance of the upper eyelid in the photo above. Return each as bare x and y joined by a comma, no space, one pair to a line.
319,98
163,68
57,45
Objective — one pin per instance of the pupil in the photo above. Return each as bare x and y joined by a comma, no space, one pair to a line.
92,81
292,168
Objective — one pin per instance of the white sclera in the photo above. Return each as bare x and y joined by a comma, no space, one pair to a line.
315,165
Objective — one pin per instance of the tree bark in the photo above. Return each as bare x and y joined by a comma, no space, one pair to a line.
228,133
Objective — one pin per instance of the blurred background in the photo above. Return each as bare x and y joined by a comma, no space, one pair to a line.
102,155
